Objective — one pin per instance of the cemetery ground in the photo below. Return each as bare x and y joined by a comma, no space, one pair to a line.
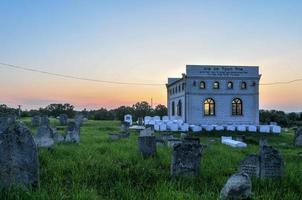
99,168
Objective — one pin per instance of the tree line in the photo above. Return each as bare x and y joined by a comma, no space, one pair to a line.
141,109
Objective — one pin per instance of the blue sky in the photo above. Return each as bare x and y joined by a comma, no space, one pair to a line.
144,41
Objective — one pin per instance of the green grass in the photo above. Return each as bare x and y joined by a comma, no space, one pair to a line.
98,168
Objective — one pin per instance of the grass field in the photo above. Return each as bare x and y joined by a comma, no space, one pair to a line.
98,168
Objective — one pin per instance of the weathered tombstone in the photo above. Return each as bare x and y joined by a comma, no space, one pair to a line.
186,158
147,145
73,133
146,132
63,118
44,121
78,120
298,138
44,137
5,121
19,157
263,142
36,121
271,163
125,127
238,186
250,165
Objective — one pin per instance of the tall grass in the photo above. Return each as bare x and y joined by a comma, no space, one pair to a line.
98,168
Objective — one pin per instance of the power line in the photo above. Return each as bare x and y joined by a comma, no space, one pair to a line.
116,82
76,77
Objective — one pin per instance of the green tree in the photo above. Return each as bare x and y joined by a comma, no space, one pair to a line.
161,110
142,109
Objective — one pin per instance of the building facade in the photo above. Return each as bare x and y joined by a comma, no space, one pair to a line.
215,95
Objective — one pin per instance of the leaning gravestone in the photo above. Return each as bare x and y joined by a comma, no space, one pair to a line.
5,121
63,118
73,133
271,163
186,158
147,145
298,138
36,121
251,165
239,186
19,158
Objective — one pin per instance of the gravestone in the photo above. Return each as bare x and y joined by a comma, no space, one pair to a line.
44,121
63,118
73,133
125,127
298,138
238,186
250,165
186,158
151,126
5,122
36,121
140,121
174,141
19,157
79,120
45,137
146,132
147,145
271,163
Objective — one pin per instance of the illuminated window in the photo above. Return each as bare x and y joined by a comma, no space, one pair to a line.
237,107
202,85
230,85
209,107
216,85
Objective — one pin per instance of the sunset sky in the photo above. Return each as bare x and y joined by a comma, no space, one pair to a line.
144,42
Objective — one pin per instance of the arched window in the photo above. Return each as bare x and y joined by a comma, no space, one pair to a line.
216,85
237,106
173,108
230,85
243,85
202,85
209,107
179,108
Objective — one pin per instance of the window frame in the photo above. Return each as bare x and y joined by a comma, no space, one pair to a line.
232,85
204,85
211,107
243,83
238,103
218,85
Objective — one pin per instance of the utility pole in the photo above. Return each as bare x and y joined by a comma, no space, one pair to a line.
19,111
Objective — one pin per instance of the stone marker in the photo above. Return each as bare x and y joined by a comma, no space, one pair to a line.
5,121
79,120
73,133
63,118
267,164
147,145
239,186
36,121
44,137
44,121
271,163
298,138
251,165
19,157
186,158
146,132
174,141
125,127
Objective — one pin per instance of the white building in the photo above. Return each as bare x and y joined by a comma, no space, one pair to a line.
210,94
